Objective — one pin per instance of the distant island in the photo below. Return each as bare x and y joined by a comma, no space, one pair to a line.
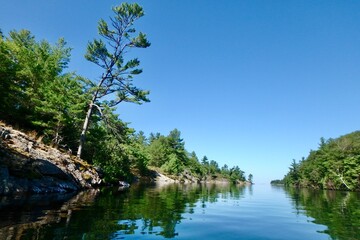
277,182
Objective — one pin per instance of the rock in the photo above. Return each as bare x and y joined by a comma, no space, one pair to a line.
124,184
4,178
162,179
47,168
30,166
4,133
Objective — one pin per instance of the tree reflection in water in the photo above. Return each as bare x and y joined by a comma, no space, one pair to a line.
112,213
152,212
338,210
28,217
157,210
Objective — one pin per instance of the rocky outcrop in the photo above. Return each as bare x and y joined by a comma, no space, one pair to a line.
27,165
161,178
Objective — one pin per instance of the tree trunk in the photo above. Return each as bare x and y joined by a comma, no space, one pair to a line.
87,118
88,114
84,129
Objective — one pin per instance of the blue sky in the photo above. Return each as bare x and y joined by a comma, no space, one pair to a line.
248,83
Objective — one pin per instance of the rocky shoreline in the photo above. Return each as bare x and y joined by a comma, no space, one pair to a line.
29,166
186,178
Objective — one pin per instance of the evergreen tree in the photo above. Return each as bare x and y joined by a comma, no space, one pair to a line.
116,82
214,167
35,92
236,174
205,161
177,146
250,178
159,152
225,170
59,111
194,164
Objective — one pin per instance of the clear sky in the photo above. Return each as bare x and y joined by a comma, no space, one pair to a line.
248,83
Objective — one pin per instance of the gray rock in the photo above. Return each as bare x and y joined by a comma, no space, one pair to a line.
30,166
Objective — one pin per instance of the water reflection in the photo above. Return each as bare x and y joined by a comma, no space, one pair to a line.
184,212
157,210
26,217
109,213
338,210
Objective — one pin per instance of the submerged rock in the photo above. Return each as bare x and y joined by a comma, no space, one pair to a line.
28,166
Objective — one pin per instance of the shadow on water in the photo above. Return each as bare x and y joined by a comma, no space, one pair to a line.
25,217
29,217
109,213
338,210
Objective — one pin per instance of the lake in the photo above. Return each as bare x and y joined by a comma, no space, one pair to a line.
184,212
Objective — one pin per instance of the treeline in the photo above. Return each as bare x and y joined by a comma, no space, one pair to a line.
78,114
168,154
335,165
277,182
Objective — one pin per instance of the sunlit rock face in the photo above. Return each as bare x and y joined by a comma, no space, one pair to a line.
27,165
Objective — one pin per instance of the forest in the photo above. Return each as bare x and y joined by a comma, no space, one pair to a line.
334,165
69,111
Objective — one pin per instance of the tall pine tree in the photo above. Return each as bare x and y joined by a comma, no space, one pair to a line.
116,82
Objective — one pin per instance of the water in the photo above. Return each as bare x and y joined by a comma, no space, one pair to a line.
184,212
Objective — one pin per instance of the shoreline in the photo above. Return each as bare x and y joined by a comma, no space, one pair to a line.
27,166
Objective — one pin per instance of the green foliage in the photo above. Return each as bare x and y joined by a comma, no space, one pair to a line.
225,171
159,152
112,158
195,166
36,93
214,167
250,178
118,73
115,149
335,165
173,165
168,152
116,82
60,109
236,174
277,182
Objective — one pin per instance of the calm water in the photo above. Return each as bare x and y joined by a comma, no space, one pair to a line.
184,212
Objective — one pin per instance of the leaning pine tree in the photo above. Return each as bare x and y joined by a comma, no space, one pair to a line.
116,81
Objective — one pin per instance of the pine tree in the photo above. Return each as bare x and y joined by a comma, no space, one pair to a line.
116,82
